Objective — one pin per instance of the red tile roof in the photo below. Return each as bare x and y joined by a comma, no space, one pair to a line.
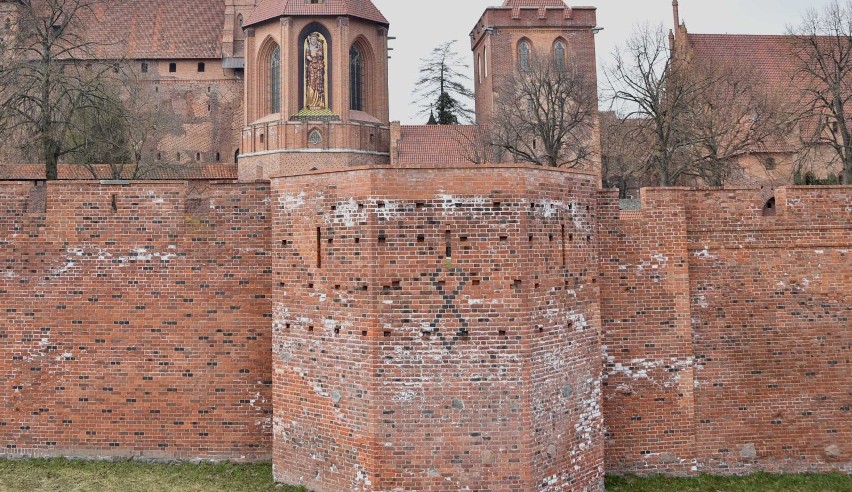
437,144
272,9
17,172
156,29
770,57
534,3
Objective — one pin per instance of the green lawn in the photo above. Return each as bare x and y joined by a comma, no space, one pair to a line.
753,483
78,476
127,476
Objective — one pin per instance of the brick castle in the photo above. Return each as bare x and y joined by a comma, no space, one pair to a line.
373,312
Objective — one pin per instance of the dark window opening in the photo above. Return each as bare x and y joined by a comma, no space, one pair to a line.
356,79
769,208
218,157
275,80
237,156
559,55
524,56
770,163
144,68
172,67
201,66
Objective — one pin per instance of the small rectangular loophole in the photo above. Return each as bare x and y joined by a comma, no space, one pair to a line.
319,247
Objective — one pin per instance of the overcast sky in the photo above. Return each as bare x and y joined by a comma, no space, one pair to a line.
419,26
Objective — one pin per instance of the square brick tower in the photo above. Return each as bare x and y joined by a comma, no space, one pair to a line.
508,35
507,39
437,330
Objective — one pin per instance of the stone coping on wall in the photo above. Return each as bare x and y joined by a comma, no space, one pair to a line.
461,167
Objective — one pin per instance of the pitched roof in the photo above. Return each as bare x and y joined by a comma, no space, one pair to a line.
534,3
437,144
17,172
272,9
156,29
769,57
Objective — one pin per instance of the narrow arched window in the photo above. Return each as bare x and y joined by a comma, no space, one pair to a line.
524,56
559,55
356,79
275,80
485,57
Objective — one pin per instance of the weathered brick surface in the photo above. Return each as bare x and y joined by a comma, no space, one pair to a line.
135,320
152,319
400,366
759,378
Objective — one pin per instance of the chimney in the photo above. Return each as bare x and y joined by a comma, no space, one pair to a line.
676,11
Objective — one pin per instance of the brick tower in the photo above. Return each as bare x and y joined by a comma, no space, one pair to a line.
507,36
437,329
316,87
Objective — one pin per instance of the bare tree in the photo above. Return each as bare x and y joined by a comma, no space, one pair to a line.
442,87
823,50
624,153
50,81
648,85
730,115
475,144
546,114
118,142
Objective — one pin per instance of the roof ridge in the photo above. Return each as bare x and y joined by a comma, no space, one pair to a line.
272,9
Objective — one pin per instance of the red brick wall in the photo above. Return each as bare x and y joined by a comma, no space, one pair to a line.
760,381
135,320
400,367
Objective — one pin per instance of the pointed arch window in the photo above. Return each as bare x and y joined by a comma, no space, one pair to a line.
524,56
356,78
559,55
275,80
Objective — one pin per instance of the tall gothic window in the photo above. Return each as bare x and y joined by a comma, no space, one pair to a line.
356,79
275,80
524,56
559,55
